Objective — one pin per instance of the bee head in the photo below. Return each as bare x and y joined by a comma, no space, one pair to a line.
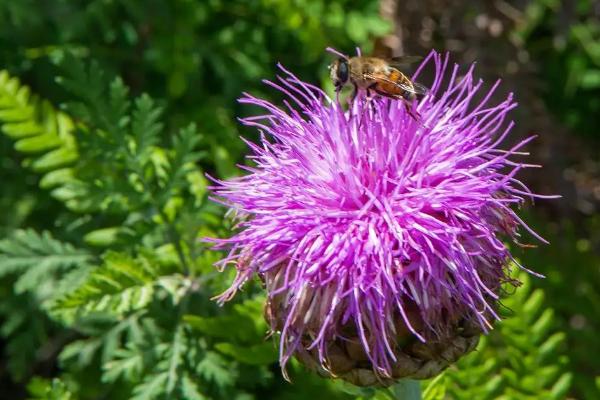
338,70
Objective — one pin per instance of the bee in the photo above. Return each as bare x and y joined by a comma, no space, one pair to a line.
379,75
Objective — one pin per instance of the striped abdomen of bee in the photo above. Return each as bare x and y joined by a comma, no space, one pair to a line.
395,85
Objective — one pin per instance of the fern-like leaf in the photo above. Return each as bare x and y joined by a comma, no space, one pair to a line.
145,360
244,329
41,132
38,257
121,285
214,368
145,128
190,390
37,264
25,329
522,359
104,102
151,387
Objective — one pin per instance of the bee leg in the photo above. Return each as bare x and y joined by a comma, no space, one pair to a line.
372,88
409,110
415,115
370,94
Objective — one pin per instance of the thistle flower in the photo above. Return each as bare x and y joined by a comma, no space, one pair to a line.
378,236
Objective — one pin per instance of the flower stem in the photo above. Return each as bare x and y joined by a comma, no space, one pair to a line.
406,389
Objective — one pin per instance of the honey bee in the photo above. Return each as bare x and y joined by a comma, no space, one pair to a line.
375,74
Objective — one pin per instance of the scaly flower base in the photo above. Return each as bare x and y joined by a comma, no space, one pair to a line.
344,354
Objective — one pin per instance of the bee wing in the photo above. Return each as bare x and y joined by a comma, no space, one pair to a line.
417,88
404,60
420,89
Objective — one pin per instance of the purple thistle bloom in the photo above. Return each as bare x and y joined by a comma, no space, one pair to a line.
357,219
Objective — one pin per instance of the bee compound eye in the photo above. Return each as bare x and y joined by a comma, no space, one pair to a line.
342,71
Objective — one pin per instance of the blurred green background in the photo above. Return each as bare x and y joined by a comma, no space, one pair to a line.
104,285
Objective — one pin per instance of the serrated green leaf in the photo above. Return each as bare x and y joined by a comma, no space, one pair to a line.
560,389
533,303
38,257
214,368
190,390
102,237
38,143
175,358
224,326
542,325
20,129
197,186
151,388
121,285
40,130
56,178
126,363
519,359
54,159
551,345
260,354
145,127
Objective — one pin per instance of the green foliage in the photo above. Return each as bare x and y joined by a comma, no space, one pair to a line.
39,131
43,389
37,258
120,285
119,138
567,37
131,305
576,311
25,330
34,263
142,319
243,328
116,302
198,55
521,359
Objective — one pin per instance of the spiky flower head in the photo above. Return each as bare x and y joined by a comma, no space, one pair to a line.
378,232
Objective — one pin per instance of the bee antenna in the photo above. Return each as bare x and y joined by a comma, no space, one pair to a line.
337,53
